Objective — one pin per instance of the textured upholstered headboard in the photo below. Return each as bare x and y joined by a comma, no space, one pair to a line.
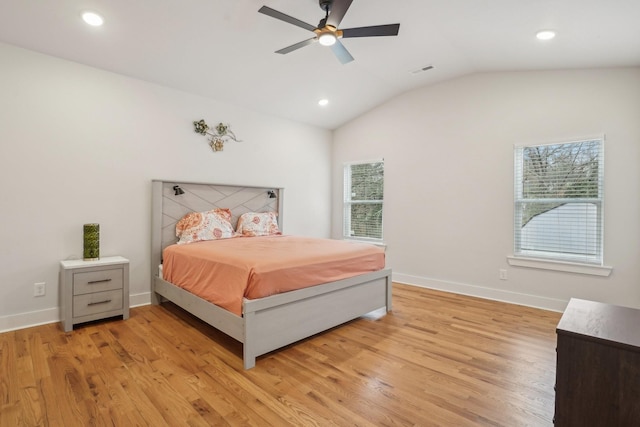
168,208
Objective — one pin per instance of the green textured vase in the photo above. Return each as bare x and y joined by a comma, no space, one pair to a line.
91,242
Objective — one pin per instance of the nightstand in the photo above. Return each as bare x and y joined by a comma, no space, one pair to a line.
93,290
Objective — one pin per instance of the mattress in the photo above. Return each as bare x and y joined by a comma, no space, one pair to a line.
226,271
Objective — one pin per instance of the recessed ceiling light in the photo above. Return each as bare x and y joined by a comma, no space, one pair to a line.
323,102
92,19
545,35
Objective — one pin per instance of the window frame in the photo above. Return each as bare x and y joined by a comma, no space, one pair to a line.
550,259
348,202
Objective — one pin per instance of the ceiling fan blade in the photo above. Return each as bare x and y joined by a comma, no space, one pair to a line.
286,18
341,52
338,10
373,31
297,46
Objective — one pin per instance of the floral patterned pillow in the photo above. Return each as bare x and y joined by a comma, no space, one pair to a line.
258,224
210,225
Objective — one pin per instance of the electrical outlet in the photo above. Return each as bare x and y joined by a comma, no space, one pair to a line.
503,274
39,289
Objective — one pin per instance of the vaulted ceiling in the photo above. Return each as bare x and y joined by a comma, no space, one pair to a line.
224,49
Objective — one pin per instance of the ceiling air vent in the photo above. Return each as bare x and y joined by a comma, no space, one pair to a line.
422,70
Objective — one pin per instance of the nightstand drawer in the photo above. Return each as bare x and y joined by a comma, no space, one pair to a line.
97,281
97,302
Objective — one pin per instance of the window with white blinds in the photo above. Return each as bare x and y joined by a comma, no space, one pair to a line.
558,211
363,200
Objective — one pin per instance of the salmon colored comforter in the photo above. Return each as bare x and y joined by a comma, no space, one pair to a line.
225,271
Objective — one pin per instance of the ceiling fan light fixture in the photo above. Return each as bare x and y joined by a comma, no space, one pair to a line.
327,38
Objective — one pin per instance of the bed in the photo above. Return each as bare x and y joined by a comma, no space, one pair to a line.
262,324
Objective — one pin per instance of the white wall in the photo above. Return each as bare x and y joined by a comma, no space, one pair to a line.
448,153
81,145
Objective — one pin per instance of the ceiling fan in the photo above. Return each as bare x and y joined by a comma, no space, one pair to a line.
327,32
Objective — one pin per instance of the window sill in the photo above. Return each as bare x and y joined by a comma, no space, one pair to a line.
569,267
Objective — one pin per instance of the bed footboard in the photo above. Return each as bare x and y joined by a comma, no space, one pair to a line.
280,320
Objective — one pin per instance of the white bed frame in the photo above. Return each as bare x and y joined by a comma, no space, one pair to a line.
267,323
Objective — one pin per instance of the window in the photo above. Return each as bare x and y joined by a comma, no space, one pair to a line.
558,201
363,196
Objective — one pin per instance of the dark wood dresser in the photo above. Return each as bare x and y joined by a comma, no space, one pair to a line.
598,366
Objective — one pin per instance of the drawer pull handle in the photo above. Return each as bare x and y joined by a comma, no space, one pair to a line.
93,282
99,302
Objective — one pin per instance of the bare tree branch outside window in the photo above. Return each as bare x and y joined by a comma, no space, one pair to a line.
565,171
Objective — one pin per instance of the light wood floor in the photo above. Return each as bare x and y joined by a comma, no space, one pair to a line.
439,359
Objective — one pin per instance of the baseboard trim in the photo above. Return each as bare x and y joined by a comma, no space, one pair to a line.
29,319
53,315
140,299
483,292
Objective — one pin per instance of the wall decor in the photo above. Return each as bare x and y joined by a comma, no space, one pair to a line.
218,135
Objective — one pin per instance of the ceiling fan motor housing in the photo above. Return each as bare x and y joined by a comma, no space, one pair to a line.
325,5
